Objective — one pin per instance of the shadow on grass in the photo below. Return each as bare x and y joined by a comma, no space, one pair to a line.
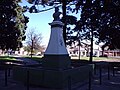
38,59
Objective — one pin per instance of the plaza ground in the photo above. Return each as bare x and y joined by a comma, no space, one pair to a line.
97,83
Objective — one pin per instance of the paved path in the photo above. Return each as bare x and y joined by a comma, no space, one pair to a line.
26,60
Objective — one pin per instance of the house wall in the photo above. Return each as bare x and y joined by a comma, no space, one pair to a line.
112,53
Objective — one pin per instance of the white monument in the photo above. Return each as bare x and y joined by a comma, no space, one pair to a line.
56,55
56,44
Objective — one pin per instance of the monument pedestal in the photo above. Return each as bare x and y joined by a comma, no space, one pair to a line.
57,62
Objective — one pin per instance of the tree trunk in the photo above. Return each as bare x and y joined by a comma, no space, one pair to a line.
32,49
91,49
64,20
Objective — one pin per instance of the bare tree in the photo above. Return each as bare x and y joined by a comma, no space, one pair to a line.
33,41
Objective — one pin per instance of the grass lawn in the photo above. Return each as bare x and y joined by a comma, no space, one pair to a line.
98,58
7,58
39,58
108,59
87,58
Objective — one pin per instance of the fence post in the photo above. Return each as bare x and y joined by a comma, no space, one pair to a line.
113,70
100,75
90,79
9,71
69,83
95,68
6,77
108,72
28,77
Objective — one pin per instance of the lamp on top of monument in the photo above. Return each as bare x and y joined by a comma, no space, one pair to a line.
56,14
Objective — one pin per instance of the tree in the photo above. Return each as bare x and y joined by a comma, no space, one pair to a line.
12,24
53,3
33,41
102,17
100,20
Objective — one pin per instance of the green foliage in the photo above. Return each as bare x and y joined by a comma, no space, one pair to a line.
6,58
102,18
12,24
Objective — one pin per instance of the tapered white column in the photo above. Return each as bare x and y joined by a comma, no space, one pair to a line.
56,44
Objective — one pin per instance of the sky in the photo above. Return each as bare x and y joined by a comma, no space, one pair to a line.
39,21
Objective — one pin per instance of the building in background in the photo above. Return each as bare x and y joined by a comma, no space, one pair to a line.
84,49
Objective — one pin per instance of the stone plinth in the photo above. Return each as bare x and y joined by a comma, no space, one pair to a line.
53,78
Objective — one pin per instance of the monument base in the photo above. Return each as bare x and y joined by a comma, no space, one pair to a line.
59,62
53,78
